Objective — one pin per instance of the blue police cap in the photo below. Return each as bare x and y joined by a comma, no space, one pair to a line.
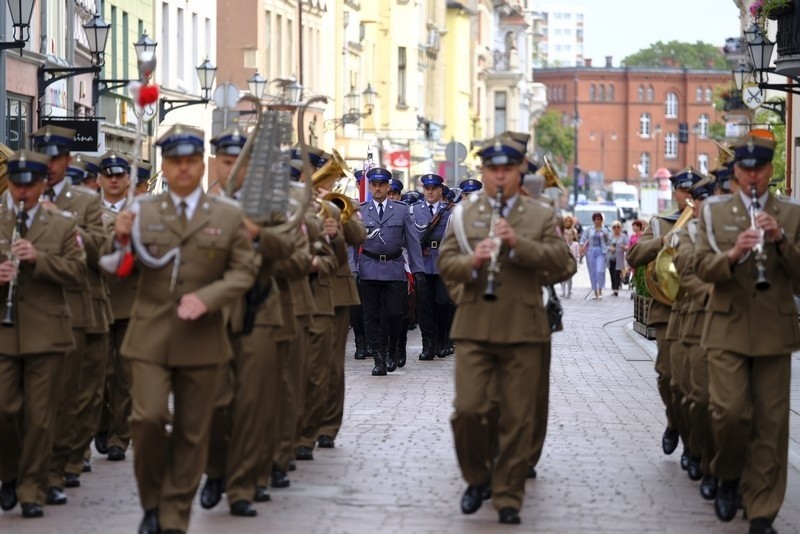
26,167
229,142
77,172
53,140
144,171
502,150
685,179
432,180
359,175
181,140
395,185
470,185
411,197
448,193
723,176
702,189
379,174
88,163
754,149
112,163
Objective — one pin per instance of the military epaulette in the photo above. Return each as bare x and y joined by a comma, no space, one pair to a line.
85,190
63,213
225,200
788,200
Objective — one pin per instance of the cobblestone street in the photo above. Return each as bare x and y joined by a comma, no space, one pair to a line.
394,467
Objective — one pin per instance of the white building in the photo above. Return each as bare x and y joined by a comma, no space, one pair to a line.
558,34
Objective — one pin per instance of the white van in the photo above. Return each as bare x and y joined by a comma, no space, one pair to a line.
626,197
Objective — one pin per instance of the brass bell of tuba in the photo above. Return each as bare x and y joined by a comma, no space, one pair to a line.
661,277
551,178
333,169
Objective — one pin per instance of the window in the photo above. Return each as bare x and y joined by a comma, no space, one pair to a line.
18,124
644,165
702,163
699,94
650,93
180,45
645,123
640,94
709,94
195,50
702,126
611,95
601,94
499,112
165,47
401,76
268,39
114,73
591,93
671,145
278,39
125,44
671,106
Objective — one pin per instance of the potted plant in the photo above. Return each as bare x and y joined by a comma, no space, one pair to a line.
761,10
641,304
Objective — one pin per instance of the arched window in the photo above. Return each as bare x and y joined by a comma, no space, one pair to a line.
702,125
644,125
671,106
644,165
650,93
671,145
591,93
640,94
699,94
611,95
702,163
601,93
709,94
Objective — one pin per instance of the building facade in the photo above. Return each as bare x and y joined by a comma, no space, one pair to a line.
558,34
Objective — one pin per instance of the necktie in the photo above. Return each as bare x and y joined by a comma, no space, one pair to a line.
430,207
380,211
23,227
113,207
182,215
50,193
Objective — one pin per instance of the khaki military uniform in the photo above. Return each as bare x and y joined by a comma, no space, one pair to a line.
749,336
345,295
502,341
171,355
32,352
84,204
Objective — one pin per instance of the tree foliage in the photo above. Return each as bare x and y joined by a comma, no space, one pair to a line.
768,119
554,138
697,55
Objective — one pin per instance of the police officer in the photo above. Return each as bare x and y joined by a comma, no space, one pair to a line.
144,171
470,185
381,271
195,258
433,313
395,190
83,170
32,346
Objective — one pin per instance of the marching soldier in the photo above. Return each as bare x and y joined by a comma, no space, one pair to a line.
357,310
748,247
433,304
643,252
499,344
381,271
46,255
61,195
143,175
195,257
470,185
83,170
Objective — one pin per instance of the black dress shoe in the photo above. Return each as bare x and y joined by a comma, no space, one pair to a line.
55,496
509,516
116,454
473,498
669,441
695,473
71,481
762,525
262,494
243,509
87,466
31,509
211,493
726,502
325,442
708,488
279,479
101,443
8,495
685,456
531,472
149,524
304,453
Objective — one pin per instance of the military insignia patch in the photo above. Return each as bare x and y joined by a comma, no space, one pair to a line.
212,231
152,249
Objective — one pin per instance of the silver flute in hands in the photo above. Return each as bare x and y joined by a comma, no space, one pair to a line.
489,294
8,318
760,257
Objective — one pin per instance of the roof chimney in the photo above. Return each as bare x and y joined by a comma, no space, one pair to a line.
609,61
587,62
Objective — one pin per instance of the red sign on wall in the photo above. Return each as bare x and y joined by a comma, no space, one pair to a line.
400,159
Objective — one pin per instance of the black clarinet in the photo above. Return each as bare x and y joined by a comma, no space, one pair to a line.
8,318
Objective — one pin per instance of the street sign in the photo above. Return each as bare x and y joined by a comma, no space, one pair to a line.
455,151
226,95
221,119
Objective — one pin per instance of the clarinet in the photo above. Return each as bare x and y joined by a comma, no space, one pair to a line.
762,284
8,318
489,294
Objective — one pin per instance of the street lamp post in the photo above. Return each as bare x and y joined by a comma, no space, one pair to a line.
353,113
144,48
603,133
21,12
206,72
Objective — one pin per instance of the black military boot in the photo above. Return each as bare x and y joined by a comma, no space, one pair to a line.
427,349
441,348
379,355
391,356
401,351
361,348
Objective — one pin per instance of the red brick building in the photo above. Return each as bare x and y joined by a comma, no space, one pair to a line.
629,118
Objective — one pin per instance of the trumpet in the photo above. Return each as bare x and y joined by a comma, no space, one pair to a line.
8,318
760,257
489,294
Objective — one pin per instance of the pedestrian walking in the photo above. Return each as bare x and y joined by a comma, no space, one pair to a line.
617,253
594,244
